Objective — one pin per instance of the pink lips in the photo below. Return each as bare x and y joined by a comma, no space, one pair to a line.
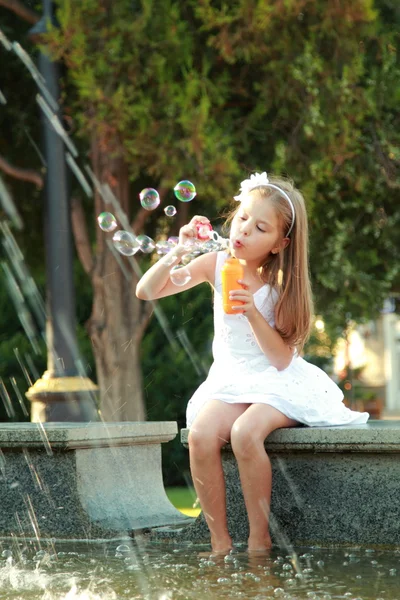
238,244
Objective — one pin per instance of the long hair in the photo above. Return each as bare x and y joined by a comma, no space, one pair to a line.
288,270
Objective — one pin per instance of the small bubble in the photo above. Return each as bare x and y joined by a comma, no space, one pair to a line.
185,191
125,242
149,198
170,211
107,221
146,244
163,247
180,275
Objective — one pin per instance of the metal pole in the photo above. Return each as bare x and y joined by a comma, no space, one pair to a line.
63,393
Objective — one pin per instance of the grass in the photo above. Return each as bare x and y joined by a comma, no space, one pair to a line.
183,498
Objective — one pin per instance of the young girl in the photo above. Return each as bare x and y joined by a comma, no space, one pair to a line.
258,382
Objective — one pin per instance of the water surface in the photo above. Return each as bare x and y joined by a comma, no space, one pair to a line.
127,570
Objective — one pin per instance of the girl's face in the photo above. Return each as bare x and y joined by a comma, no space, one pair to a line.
256,230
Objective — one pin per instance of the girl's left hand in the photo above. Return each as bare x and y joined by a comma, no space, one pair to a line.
248,307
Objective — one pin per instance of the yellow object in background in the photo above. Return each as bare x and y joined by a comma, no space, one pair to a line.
184,499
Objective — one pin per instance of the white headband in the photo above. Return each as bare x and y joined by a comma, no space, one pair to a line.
258,180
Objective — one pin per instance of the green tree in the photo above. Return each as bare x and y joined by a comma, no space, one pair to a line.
208,91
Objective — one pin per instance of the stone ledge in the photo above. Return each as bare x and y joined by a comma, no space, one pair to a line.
85,435
83,480
374,436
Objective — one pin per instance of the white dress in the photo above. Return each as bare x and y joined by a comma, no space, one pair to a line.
242,373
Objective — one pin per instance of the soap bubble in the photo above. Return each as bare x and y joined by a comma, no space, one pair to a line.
146,244
163,247
186,259
149,198
185,191
170,211
125,242
210,246
180,275
107,221
173,239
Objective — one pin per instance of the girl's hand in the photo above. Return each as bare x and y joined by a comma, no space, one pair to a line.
188,233
248,307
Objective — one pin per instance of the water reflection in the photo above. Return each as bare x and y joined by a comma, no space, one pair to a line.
160,572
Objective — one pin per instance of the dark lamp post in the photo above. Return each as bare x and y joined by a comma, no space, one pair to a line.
63,393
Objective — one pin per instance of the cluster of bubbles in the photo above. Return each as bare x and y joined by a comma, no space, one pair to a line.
184,191
128,244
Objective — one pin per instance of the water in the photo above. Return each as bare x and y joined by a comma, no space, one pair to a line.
161,571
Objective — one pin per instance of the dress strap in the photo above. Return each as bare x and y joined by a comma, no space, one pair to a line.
221,258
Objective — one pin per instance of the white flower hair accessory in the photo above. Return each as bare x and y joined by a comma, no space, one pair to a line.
261,179
247,185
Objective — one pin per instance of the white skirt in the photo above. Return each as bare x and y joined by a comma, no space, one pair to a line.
302,391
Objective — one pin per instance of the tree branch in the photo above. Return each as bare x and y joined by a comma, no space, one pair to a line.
145,315
81,236
21,10
22,174
139,220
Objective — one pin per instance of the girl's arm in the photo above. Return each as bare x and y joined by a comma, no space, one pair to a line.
270,341
156,282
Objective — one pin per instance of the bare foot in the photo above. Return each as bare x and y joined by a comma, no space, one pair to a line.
221,546
259,546
214,553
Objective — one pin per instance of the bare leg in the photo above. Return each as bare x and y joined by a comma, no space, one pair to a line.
209,432
247,438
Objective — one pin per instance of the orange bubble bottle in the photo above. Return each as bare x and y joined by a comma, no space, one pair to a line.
230,273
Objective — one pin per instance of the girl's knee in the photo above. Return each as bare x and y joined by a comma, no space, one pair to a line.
244,441
202,442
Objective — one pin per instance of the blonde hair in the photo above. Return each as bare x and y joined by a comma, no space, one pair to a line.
288,270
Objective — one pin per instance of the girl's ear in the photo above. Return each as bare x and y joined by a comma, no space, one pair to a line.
284,244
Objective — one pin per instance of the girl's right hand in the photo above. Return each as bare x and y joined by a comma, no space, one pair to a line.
188,233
